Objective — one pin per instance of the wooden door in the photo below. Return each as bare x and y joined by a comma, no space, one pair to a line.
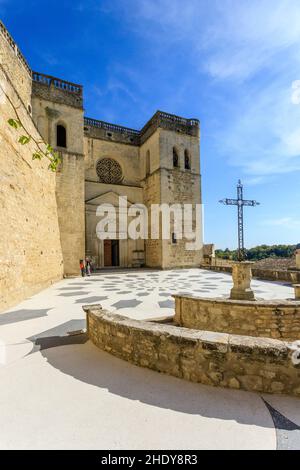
107,253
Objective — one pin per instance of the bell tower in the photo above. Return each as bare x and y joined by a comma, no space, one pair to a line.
170,160
57,109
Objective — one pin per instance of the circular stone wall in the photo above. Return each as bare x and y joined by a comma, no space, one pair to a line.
272,319
255,364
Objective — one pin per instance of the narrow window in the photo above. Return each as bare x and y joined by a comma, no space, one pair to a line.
175,158
174,239
187,160
148,163
61,136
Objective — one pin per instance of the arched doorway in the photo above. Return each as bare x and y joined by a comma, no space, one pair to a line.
111,253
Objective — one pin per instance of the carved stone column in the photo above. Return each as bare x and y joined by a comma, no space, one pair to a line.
241,275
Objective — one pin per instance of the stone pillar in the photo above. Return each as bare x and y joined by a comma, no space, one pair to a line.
297,259
297,291
241,275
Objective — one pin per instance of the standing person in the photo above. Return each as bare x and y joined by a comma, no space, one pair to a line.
81,264
88,267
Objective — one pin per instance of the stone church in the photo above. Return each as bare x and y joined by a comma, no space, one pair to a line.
101,161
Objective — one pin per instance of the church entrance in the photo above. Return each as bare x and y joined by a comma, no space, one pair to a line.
111,253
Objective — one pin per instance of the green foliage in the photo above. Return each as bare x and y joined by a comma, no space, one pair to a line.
55,161
260,252
39,152
24,139
36,156
42,149
14,123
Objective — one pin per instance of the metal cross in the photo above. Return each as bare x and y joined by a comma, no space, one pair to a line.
240,203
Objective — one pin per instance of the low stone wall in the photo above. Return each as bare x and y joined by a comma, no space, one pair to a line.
290,276
218,359
271,319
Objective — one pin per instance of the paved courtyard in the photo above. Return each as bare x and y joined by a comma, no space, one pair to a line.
59,391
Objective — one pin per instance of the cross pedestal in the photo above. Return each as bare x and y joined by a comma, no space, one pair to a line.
241,276
297,259
297,291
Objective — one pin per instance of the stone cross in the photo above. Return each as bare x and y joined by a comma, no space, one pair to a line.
240,202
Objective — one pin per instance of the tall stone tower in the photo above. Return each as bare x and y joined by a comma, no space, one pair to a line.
170,163
57,110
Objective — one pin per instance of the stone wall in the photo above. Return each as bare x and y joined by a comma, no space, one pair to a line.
30,249
272,319
51,93
276,275
70,204
180,186
15,66
254,364
292,277
167,185
126,155
52,106
152,194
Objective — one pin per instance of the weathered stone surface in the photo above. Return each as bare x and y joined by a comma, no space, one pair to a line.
65,204
255,364
30,247
291,276
297,291
298,259
241,276
272,319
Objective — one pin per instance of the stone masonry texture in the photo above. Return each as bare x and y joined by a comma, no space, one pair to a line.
272,319
30,249
219,359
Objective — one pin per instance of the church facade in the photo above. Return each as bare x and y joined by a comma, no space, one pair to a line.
160,164
49,220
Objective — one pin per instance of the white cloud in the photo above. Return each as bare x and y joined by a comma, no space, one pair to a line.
229,39
263,136
251,47
285,222
295,96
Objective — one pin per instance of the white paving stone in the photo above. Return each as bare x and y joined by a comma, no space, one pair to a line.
76,396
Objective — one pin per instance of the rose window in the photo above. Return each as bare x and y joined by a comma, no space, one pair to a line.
109,171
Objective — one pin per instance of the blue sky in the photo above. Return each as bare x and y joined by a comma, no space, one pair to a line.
234,64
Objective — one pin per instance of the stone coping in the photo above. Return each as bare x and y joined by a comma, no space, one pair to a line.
266,274
218,359
277,319
220,341
107,131
288,303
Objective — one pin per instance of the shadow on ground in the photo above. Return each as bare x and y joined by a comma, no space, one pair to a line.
88,364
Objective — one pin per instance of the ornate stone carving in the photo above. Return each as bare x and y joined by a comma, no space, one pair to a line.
109,171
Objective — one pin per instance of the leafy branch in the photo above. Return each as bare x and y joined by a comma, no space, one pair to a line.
42,149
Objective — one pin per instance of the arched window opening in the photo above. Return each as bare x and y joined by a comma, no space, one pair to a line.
187,160
61,136
175,158
148,163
